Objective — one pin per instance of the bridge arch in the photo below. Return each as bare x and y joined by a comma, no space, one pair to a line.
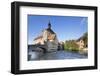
44,49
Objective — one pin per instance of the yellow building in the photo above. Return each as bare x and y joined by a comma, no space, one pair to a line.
83,50
80,43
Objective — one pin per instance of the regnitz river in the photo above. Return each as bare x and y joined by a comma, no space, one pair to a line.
33,55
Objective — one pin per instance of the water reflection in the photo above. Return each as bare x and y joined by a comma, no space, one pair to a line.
33,55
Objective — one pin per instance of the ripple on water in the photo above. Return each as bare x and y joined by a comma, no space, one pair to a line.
56,55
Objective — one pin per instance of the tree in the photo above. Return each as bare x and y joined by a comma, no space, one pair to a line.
71,45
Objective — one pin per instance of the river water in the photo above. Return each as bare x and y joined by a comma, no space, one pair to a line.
55,55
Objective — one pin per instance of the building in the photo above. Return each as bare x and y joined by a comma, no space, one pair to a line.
80,43
48,38
83,49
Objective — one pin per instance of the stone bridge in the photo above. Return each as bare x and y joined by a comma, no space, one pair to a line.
38,48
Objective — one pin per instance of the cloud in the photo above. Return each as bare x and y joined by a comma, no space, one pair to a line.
82,21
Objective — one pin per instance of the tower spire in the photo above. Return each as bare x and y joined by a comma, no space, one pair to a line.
49,25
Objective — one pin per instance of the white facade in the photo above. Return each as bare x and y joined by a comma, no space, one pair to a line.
48,38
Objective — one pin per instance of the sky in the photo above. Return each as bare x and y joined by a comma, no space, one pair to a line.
66,27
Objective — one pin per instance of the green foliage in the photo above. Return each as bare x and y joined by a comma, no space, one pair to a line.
71,46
